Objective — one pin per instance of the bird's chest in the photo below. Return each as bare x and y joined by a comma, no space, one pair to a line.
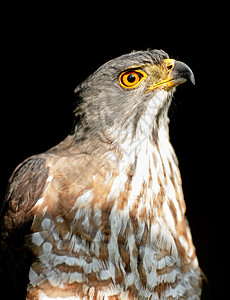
120,256
114,237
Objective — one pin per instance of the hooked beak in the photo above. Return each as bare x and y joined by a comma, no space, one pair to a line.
179,72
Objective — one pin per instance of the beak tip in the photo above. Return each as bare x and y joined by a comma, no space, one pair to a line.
181,70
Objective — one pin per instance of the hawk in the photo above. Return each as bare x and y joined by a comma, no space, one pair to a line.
102,214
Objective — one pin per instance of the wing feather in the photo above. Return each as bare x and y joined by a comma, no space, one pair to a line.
25,188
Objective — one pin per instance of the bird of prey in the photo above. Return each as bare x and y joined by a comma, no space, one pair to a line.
102,214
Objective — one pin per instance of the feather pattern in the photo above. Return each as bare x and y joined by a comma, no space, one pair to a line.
104,210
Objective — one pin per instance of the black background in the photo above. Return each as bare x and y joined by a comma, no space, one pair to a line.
47,52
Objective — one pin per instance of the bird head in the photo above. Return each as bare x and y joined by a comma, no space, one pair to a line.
123,90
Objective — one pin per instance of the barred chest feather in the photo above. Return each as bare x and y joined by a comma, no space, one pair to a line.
118,231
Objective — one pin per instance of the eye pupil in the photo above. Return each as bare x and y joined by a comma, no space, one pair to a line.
131,78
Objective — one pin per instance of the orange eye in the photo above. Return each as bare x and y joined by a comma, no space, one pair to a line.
131,79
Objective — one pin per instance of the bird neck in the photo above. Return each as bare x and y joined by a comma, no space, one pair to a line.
149,167
146,132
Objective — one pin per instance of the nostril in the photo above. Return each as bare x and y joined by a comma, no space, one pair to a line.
169,63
